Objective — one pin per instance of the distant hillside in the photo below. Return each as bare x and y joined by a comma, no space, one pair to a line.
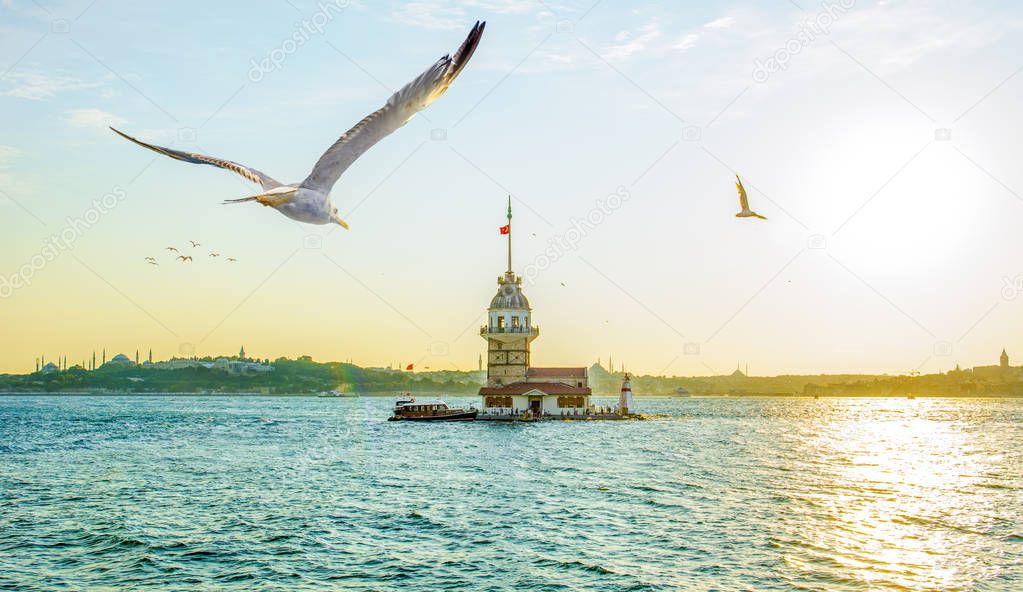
955,383
304,376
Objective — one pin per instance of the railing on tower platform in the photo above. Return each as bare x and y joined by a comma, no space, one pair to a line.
530,330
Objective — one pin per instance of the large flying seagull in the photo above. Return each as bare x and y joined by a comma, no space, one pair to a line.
309,201
744,202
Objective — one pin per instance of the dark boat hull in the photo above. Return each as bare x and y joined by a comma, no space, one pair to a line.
464,416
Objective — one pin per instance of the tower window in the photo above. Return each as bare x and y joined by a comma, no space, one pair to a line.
500,323
515,322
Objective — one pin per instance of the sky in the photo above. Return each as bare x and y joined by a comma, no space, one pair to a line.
879,138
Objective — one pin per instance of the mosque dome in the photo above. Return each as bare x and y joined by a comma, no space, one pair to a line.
120,359
509,294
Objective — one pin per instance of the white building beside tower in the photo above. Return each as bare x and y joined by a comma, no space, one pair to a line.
514,386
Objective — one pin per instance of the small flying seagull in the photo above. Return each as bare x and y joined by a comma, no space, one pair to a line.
309,201
150,258
173,249
214,254
231,259
151,262
744,202
185,258
194,244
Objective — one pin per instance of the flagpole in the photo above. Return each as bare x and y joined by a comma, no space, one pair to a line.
509,235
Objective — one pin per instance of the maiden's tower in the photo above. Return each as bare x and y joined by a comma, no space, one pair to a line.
514,386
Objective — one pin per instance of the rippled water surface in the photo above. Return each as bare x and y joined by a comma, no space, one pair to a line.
261,493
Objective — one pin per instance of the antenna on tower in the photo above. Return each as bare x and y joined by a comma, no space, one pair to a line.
509,234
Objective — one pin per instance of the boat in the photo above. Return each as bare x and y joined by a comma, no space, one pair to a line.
336,393
409,409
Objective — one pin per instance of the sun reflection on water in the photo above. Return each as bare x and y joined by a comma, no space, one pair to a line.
897,499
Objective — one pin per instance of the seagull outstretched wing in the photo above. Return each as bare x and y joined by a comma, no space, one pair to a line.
248,173
743,199
399,109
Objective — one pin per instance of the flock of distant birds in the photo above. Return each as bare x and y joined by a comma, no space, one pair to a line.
309,201
187,258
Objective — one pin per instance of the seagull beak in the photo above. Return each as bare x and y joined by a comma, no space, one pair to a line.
340,222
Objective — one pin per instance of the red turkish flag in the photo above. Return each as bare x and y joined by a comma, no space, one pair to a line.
409,367
506,229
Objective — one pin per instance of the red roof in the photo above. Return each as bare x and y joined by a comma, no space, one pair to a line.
521,388
556,372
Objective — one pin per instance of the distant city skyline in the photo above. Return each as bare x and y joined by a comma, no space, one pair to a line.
64,362
877,137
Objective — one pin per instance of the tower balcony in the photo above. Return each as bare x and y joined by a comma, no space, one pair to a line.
533,331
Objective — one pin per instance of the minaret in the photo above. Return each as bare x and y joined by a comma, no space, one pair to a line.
37,364
104,357
509,329
1003,360
480,363
150,355
136,357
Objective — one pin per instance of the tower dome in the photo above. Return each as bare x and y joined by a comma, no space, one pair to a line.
509,294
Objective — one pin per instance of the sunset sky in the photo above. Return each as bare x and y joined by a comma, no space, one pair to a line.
881,139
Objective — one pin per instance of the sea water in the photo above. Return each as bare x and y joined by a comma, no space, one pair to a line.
304,493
